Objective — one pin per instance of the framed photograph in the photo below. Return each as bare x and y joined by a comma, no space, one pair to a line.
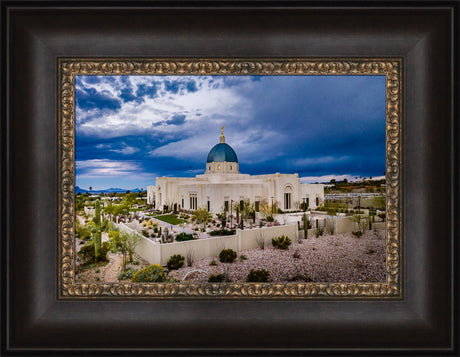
287,234
229,179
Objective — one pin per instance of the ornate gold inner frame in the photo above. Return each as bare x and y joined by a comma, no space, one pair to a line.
70,67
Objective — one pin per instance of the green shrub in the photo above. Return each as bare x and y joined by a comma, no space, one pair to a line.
258,276
243,258
227,256
181,237
218,278
151,274
282,242
145,233
270,219
83,233
176,261
127,274
222,232
213,263
300,277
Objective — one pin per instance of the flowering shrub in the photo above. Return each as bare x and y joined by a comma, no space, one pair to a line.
151,274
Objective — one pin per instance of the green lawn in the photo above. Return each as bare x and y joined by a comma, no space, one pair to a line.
170,218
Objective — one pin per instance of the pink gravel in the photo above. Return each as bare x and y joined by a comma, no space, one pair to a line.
339,258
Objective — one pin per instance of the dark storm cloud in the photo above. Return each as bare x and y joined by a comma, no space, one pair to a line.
90,98
310,125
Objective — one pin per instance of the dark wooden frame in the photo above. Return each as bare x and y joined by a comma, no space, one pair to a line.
35,34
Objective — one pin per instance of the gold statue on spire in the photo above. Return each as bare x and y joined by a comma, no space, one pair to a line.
222,130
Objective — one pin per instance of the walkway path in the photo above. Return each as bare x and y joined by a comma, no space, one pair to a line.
110,272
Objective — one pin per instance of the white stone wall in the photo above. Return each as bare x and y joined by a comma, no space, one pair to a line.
157,253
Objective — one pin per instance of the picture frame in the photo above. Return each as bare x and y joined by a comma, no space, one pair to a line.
70,69
425,319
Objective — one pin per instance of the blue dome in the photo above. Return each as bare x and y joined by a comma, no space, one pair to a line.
222,152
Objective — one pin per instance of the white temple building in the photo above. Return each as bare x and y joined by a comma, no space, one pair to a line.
222,184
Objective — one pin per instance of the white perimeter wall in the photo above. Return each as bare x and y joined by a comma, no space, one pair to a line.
158,253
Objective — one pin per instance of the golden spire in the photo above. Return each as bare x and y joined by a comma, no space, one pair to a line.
222,137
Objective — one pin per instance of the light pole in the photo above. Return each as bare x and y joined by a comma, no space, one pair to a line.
231,214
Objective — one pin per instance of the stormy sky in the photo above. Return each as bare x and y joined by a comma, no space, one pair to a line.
132,129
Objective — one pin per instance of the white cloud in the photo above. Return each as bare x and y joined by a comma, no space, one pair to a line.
212,103
328,178
100,168
126,150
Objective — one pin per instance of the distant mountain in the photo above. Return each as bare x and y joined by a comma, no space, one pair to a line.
109,190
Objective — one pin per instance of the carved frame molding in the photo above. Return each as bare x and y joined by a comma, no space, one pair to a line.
71,67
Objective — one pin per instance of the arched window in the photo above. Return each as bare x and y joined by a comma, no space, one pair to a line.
287,197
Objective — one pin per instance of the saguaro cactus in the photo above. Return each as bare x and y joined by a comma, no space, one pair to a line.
97,234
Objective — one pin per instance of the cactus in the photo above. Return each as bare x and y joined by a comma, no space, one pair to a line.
97,235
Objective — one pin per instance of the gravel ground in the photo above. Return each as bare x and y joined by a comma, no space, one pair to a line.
338,258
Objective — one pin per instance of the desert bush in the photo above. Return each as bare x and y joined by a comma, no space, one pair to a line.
176,261
357,234
281,242
319,231
217,278
83,233
260,240
242,258
330,226
212,263
151,274
258,276
127,274
270,219
222,232
190,257
300,277
182,237
227,256
145,233
87,253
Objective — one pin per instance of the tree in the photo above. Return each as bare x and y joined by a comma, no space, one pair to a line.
126,244
304,206
202,215
109,209
267,210
131,243
248,210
